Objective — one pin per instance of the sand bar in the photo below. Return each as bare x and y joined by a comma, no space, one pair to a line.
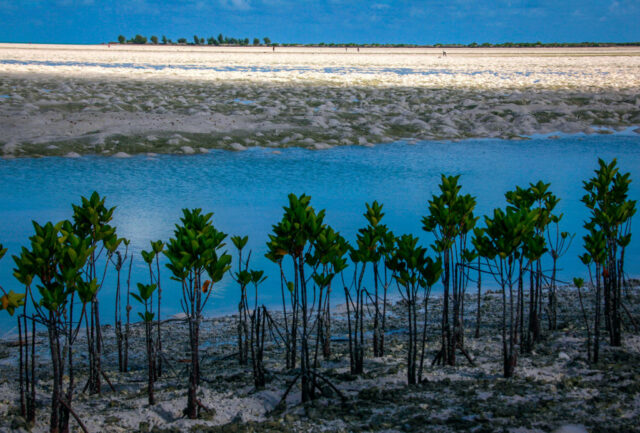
105,100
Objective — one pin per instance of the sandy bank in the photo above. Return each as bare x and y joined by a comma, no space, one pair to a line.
44,115
553,386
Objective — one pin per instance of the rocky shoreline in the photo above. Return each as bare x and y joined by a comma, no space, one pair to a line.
553,386
42,115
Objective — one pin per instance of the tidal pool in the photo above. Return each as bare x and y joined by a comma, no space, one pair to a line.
246,191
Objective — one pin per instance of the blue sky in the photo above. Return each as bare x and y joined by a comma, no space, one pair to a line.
384,21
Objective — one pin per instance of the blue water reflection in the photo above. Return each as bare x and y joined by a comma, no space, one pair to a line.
246,191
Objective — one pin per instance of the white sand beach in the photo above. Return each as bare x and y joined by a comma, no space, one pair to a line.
493,68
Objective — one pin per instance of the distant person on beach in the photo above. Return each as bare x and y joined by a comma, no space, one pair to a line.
274,48
358,49
444,53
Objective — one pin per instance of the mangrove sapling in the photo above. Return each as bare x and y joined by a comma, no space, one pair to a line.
364,252
145,297
295,236
56,258
291,237
431,275
288,317
149,257
467,257
381,280
387,250
243,278
559,243
533,250
500,243
520,199
91,220
327,260
195,250
158,248
538,199
594,244
414,270
258,332
251,336
611,210
119,262
450,220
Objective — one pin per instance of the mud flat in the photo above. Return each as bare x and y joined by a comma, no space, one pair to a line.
68,100
553,386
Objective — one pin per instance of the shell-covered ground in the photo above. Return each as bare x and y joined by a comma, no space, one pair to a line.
57,100
553,386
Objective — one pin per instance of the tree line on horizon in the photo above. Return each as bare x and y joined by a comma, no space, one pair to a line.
226,40
64,266
196,40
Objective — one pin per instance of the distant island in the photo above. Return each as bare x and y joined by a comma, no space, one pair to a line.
222,40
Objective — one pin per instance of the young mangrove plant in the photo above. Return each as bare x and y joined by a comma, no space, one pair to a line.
537,198
295,236
413,270
384,280
292,237
119,261
251,325
327,260
594,244
145,297
276,255
382,277
501,243
365,251
243,278
91,220
258,333
450,220
194,253
149,258
609,233
558,244
56,258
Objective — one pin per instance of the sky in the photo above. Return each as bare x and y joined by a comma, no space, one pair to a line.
314,21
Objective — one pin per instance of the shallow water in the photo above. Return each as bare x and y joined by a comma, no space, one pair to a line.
246,191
